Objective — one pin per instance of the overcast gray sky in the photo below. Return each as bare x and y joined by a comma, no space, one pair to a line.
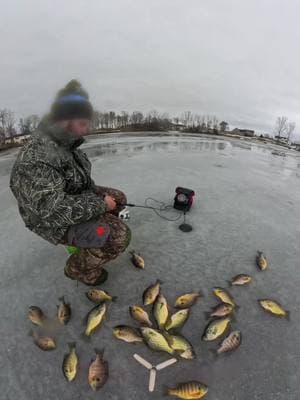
237,59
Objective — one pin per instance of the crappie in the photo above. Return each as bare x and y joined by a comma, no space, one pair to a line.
274,308
239,280
151,293
140,315
127,334
215,329
177,320
94,319
261,261
45,343
220,310
181,345
161,311
99,296
137,260
36,315
187,300
63,311
155,340
70,363
224,296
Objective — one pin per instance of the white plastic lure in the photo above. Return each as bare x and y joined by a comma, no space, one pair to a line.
153,369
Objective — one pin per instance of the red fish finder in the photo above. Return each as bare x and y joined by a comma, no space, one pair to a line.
184,199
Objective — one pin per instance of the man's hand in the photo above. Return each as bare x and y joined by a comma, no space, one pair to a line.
110,202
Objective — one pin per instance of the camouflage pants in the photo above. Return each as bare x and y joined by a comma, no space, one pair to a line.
87,266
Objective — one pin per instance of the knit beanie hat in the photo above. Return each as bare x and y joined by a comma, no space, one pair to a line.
71,102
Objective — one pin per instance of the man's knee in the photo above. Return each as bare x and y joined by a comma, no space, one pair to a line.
127,238
120,197
91,234
124,198
121,242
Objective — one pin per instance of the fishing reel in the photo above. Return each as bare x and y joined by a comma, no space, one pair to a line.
124,214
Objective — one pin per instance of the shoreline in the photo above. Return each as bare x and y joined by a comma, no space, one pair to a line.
256,140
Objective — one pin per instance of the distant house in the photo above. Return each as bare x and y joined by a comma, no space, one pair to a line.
243,132
266,135
19,139
296,145
177,126
282,139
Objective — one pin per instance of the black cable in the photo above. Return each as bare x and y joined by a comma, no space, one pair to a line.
163,208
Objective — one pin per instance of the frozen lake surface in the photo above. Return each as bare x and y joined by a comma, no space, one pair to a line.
247,199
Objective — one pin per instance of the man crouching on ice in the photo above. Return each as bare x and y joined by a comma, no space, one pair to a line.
58,199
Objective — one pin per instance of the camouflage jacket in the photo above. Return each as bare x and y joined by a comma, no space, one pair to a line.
51,180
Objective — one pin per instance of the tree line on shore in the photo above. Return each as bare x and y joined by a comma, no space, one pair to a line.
10,126
154,120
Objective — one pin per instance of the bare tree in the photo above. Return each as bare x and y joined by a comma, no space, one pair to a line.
95,123
125,119
139,118
290,129
29,124
2,136
106,119
281,127
35,120
215,124
208,122
102,119
203,124
151,120
119,121
25,126
136,119
187,118
112,117
197,120
3,114
7,125
10,125
223,126
164,121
